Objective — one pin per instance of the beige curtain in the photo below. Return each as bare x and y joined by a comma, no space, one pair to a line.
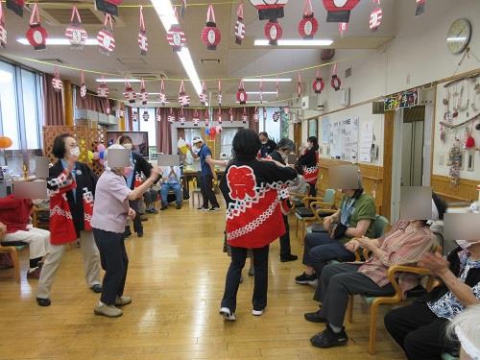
53,103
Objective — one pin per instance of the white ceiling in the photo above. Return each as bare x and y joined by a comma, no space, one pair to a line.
233,61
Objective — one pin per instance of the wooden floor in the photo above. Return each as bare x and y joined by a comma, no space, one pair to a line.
176,278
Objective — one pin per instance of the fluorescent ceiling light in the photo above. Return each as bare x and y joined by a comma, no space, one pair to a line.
262,92
264,42
267,80
253,102
166,14
117,80
58,41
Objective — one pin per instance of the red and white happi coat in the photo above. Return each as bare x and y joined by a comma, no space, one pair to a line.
254,217
310,173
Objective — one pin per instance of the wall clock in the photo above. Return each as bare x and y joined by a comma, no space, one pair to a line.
459,35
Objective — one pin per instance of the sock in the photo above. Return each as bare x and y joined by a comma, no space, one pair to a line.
34,262
335,329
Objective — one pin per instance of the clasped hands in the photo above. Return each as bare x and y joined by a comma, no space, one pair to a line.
358,242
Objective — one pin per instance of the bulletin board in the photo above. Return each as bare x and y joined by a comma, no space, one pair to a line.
344,139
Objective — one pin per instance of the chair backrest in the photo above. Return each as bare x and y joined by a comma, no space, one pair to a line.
380,225
329,196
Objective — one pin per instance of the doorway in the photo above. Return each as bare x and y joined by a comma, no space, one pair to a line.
413,129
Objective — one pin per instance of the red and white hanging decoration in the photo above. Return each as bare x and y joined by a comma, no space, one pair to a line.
260,93
375,16
335,82
276,116
219,116
244,116
207,118
211,34
102,89
420,9
57,83
75,32
230,115
146,115
242,96
239,26
162,96
83,87
176,37
264,114
299,85
273,31
318,84
143,93
16,6
3,29
181,117
106,41
37,35
142,35
219,95
268,9
159,115
342,28
129,93
203,96
256,115
171,117
134,115
183,98
196,118
339,10
308,26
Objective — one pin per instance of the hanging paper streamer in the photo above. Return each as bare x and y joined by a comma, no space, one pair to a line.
308,26
299,85
269,9
219,95
239,26
57,83
146,115
339,10
276,116
242,96
318,84
129,93
102,89
273,31
183,98
375,16
264,113
211,34
171,116
256,115
106,41
342,29
420,7
244,116
3,29
142,35
159,115
230,115
203,95
176,37
16,6
162,97
196,118
207,118
37,35
335,82
83,87
143,93
261,92
182,118
219,117
75,33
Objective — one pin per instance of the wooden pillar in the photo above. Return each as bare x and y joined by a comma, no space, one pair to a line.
68,101
388,128
121,119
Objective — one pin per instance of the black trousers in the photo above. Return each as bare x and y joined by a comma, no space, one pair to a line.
207,192
419,332
260,264
137,222
312,189
114,260
285,248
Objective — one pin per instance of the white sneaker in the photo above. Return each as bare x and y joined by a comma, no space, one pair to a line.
227,314
123,300
258,312
107,310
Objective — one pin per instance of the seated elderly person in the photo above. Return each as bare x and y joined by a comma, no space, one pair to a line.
355,218
419,328
171,181
403,245
467,330
15,227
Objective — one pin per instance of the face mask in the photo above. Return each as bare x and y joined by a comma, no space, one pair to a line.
127,171
263,142
75,151
128,146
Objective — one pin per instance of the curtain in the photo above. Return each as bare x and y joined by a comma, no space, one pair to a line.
92,102
164,131
53,103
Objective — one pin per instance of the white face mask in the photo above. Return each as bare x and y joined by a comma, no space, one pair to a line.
464,244
128,146
75,151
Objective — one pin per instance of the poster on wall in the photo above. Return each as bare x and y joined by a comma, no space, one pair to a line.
366,141
326,130
344,140
312,127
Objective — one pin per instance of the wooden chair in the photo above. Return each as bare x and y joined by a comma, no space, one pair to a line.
13,249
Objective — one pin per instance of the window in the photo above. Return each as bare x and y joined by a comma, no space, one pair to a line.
271,127
227,140
32,110
8,114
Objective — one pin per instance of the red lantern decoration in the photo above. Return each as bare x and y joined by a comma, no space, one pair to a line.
308,26
183,98
171,117
159,115
102,89
16,6
375,17
75,33
83,87
211,34
176,37
3,30
219,116
318,85
162,97
242,96
239,26
57,83
207,118
339,10
143,93
129,93
105,37
420,9
273,31
182,118
335,82
203,95
142,35
196,118
219,95
268,9
244,116
37,35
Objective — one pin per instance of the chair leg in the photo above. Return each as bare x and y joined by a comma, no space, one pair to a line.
372,342
16,264
350,309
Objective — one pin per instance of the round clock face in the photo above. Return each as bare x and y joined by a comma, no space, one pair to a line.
459,35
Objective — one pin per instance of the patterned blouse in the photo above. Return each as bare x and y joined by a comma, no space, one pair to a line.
448,306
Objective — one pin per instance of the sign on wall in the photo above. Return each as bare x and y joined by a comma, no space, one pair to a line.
406,99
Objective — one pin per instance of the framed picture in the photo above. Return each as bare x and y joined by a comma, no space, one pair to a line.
313,127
